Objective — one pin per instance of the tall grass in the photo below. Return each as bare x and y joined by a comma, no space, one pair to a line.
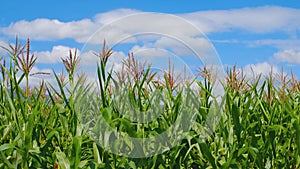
48,127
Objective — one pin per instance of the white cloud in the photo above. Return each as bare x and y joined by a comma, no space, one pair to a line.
88,58
108,17
116,60
88,62
183,47
290,56
36,80
281,44
257,20
130,29
149,52
54,55
157,57
2,44
266,19
254,70
53,29
46,29
175,33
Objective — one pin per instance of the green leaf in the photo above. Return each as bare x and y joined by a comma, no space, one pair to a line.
236,121
297,129
76,152
206,152
63,161
132,165
126,124
107,114
96,153
6,146
62,90
83,163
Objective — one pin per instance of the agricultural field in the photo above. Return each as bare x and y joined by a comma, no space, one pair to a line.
62,125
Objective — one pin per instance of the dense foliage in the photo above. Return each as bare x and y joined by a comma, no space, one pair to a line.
41,127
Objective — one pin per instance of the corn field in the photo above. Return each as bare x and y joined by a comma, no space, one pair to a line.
45,126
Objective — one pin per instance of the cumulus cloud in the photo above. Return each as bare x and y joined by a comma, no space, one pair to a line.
176,33
149,52
290,56
36,80
133,27
115,61
267,19
46,29
263,68
54,55
186,45
157,57
282,44
88,61
111,16
53,29
257,20
2,44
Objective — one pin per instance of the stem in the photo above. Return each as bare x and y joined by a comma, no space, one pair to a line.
27,87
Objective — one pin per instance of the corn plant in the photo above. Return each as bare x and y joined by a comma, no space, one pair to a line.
62,127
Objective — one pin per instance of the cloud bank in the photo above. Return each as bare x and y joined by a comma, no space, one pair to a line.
266,19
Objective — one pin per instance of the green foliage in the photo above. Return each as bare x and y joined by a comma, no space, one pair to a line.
258,124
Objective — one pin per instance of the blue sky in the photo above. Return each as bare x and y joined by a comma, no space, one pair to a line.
254,35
